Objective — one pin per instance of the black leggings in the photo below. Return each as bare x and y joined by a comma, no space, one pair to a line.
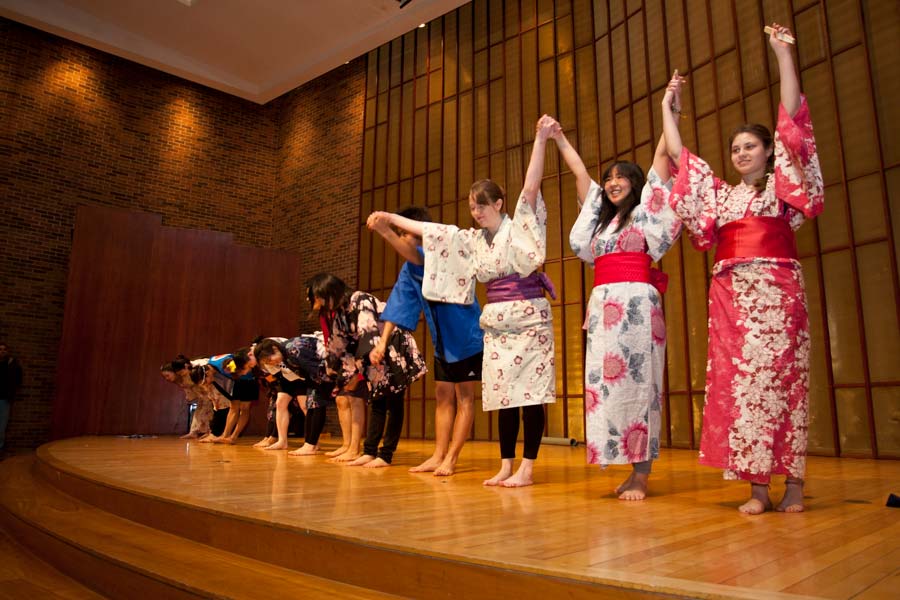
385,419
315,423
508,424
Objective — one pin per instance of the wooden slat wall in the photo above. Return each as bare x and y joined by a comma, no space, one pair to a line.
462,96
138,294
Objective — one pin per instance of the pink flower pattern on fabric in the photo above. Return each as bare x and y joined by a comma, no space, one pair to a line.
755,421
625,353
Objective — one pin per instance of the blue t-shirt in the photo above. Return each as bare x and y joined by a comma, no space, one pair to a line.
218,363
454,327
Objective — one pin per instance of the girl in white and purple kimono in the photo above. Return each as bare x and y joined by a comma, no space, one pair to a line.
504,253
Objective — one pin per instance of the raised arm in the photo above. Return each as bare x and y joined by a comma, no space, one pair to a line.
787,71
671,112
576,165
381,224
414,227
535,172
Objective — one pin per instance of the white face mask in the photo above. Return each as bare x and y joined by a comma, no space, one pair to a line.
273,369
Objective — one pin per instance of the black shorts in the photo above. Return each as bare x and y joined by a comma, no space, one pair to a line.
467,369
245,390
291,388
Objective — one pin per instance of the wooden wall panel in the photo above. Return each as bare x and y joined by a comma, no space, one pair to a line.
137,295
490,68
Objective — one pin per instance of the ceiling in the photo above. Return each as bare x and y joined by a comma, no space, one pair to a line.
254,49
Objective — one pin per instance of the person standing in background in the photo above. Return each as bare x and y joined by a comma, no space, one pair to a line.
10,380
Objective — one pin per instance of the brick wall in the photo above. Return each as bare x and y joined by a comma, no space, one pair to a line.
319,158
78,126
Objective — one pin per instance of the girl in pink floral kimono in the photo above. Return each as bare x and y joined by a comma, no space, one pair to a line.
757,382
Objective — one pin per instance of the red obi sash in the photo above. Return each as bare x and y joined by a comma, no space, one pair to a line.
618,267
751,237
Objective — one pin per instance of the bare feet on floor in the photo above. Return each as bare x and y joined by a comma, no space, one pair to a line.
635,487
277,446
522,476
347,456
792,502
428,466
447,468
376,464
190,436
305,450
360,461
337,452
502,475
266,441
625,484
759,500
209,439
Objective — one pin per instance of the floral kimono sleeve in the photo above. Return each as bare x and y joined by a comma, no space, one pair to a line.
528,237
583,230
359,316
662,226
365,307
449,263
693,198
798,176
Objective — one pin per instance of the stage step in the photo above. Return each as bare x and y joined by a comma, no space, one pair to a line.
352,561
123,559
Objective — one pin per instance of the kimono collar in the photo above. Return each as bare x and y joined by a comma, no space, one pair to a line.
504,223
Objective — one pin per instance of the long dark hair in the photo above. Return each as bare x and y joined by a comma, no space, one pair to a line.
329,288
181,362
608,210
765,136
267,348
198,374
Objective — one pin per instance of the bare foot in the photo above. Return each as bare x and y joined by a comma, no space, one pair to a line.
376,464
360,461
502,475
345,457
190,436
278,446
428,466
759,500
522,477
447,468
266,441
625,484
225,440
338,451
637,487
305,450
792,502
210,439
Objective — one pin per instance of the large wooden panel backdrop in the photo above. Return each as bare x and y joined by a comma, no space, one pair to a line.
457,100
138,294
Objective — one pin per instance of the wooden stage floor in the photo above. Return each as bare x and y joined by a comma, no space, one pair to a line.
687,539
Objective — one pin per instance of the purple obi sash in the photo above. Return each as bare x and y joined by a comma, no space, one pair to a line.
514,287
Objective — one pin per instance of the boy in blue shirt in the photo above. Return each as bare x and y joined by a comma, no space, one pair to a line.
457,340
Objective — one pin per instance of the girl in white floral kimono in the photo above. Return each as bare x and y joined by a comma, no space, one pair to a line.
757,379
623,226
518,368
